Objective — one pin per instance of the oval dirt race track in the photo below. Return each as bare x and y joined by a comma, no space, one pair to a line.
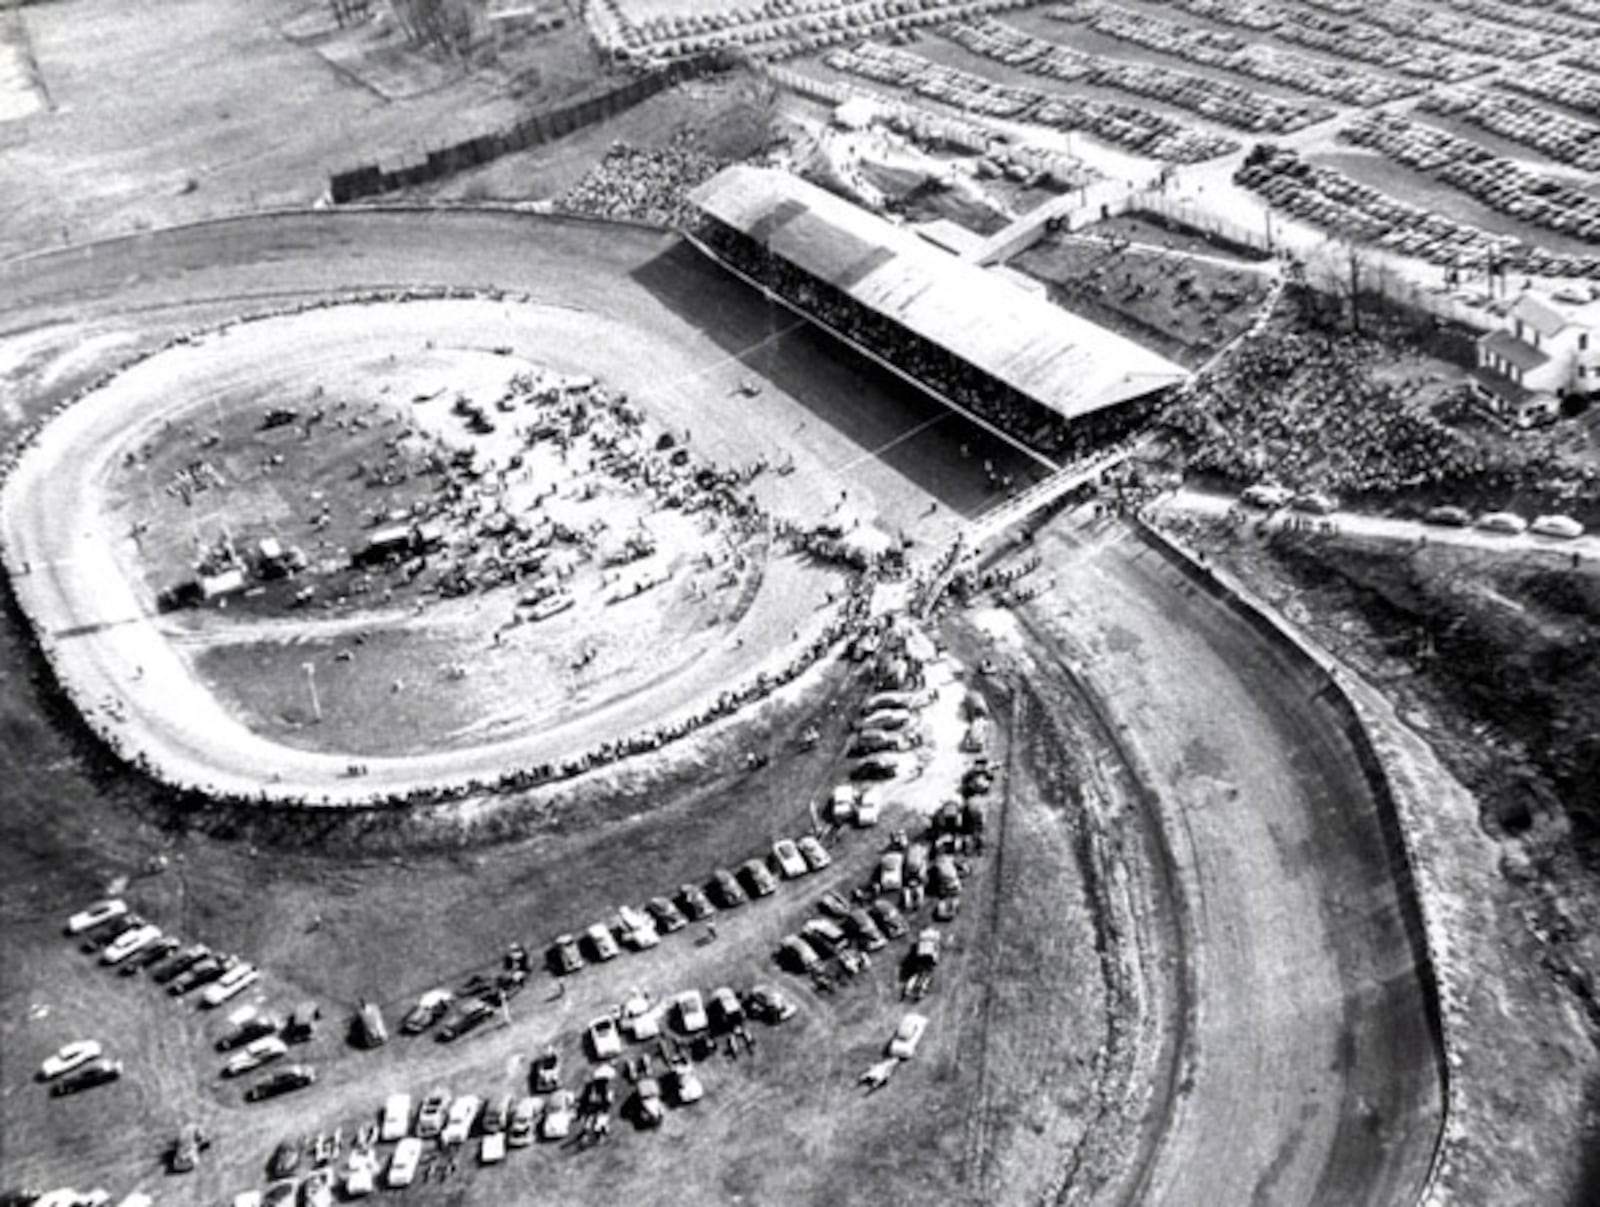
1310,1071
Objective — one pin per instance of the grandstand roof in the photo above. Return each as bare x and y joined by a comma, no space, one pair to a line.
1065,362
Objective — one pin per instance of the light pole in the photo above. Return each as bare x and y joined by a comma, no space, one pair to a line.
311,683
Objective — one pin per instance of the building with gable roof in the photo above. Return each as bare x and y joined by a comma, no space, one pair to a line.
1546,351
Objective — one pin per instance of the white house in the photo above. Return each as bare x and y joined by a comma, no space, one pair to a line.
1546,351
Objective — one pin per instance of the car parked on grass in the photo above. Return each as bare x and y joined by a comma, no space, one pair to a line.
638,930
1314,502
870,807
229,985
396,1116
463,1113
1447,515
247,1026
691,1012
284,1081
95,915
524,1118
370,1030
813,852
834,905
766,1003
152,953
87,1076
317,1189
604,1040
180,963
795,954
907,1036
842,805
1266,495
403,1165
1562,527
130,941
791,864
602,943
891,871
640,1018
558,1115
68,1057
726,889
726,1011
473,1014
757,878
824,934
649,1110
492,1148
497,1114
889,919
600,1094
430,1008
1507,522
696,905
546,1071
186,1150
685,1084
204,971
256,1053
865,931
565,958
431,1115
285,1158
667,916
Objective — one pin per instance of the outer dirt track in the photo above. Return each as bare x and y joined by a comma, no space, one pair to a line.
1306,1071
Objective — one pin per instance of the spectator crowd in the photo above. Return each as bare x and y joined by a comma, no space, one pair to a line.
644,185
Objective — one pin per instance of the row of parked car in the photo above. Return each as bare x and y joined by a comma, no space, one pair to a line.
1532,123
1509,523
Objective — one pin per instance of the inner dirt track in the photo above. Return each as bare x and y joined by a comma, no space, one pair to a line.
1305,1068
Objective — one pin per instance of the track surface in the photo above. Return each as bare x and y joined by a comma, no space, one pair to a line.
1308,1072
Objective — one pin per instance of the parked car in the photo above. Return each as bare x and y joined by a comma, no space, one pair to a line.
403,1165
891,871
691,1012
842,804
757,878
639,1018
870,807
229,985
834,905
492,1148
256,1053
1563,527
791,864
565,958
431,1116
524,1117
1267,495
907,1036
69,1057
601,1092
250,1027
865,930
361,1175
726,1011
96,1072
696,905
1507,522
187,1148
602,943
181,963
726,889
1448,516
795,954
473,1014
152,953
814,853
284,1081
649,1110
317,1189
766,1003
95,915
285,1158
1314,502
204,971
546,1071
396,1120
370,1030
926,951
130,941
463,1113
558,1115
638,931
667,916
605,1042
889,919
685,1084
824,934
497,1114
430,1008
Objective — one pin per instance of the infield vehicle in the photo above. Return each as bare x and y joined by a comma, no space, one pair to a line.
95,915
257,1053
69,1057
396,1117
431,1116
96,1072
430,1008
284,1081
403,1165
903,1046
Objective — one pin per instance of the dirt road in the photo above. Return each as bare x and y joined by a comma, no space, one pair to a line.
1310,1073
